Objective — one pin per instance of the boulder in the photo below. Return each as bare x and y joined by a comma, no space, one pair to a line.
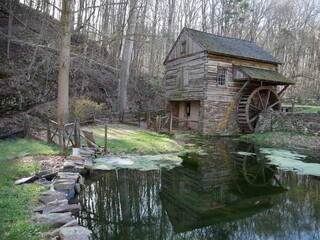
53,219
76,232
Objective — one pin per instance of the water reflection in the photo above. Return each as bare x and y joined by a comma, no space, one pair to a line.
222,195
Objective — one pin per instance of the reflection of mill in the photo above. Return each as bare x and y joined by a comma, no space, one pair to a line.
217,188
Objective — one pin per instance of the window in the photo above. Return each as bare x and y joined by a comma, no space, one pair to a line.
222,77
188,108
183,47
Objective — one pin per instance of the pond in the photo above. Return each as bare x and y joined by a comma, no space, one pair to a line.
232,190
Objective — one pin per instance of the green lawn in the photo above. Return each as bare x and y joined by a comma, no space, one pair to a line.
15,201
311,109
133,140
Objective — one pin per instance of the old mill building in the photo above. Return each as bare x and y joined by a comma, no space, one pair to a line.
219,85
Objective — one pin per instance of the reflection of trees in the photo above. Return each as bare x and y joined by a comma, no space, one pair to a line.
125,204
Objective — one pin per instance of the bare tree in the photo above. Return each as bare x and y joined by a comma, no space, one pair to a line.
64,62
126,57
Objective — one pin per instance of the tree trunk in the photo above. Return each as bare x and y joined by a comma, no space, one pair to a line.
64,62
9,28
126,57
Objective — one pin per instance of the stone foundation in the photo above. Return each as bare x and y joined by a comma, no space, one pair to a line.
219,118
306,123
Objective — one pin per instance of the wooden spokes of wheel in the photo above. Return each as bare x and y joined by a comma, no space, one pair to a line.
252,103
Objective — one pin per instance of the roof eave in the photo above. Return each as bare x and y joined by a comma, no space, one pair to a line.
244,58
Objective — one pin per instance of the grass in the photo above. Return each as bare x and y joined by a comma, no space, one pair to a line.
16,201
19,148
311,109
124,139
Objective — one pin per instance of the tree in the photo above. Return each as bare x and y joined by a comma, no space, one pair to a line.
64,62
126,57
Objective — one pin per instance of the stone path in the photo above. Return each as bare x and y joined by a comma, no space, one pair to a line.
56,210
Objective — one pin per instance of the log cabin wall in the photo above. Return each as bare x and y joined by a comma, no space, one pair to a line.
192,75
219,106
186,72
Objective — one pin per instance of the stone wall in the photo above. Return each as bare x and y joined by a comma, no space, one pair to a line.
307,123
219,118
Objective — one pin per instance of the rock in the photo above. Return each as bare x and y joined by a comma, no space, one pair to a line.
55,233
74,157
64,184
53,219
81,180
68,175
69,164
52,196
45,209
70,193
79,162
26,180
88,165
73,208
43,172
76,233
77,237
77,187
50,176
58,202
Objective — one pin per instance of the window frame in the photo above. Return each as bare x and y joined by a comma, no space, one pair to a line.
225,75
183,47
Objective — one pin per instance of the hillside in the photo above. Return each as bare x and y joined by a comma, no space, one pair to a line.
28,73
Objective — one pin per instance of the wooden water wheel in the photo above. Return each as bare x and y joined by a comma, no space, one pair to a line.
252,102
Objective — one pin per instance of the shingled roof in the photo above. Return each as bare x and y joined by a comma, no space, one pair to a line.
231,46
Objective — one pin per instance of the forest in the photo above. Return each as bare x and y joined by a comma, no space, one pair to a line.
113,40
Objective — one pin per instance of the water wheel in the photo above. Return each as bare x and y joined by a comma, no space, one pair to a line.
252,102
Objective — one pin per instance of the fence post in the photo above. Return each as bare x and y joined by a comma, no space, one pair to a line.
64,139
105,139
77,133
148,120
139,119
26,127
48,132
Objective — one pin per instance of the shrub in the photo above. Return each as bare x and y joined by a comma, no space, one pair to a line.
85,109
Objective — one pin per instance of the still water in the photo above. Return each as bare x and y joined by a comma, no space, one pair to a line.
232,191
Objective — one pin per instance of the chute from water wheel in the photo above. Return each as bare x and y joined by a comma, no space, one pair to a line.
252,103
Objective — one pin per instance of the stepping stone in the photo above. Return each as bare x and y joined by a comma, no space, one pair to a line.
68,175
88,165
55,232
53,219
69,164
45,209
26,180
52,196
77,232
